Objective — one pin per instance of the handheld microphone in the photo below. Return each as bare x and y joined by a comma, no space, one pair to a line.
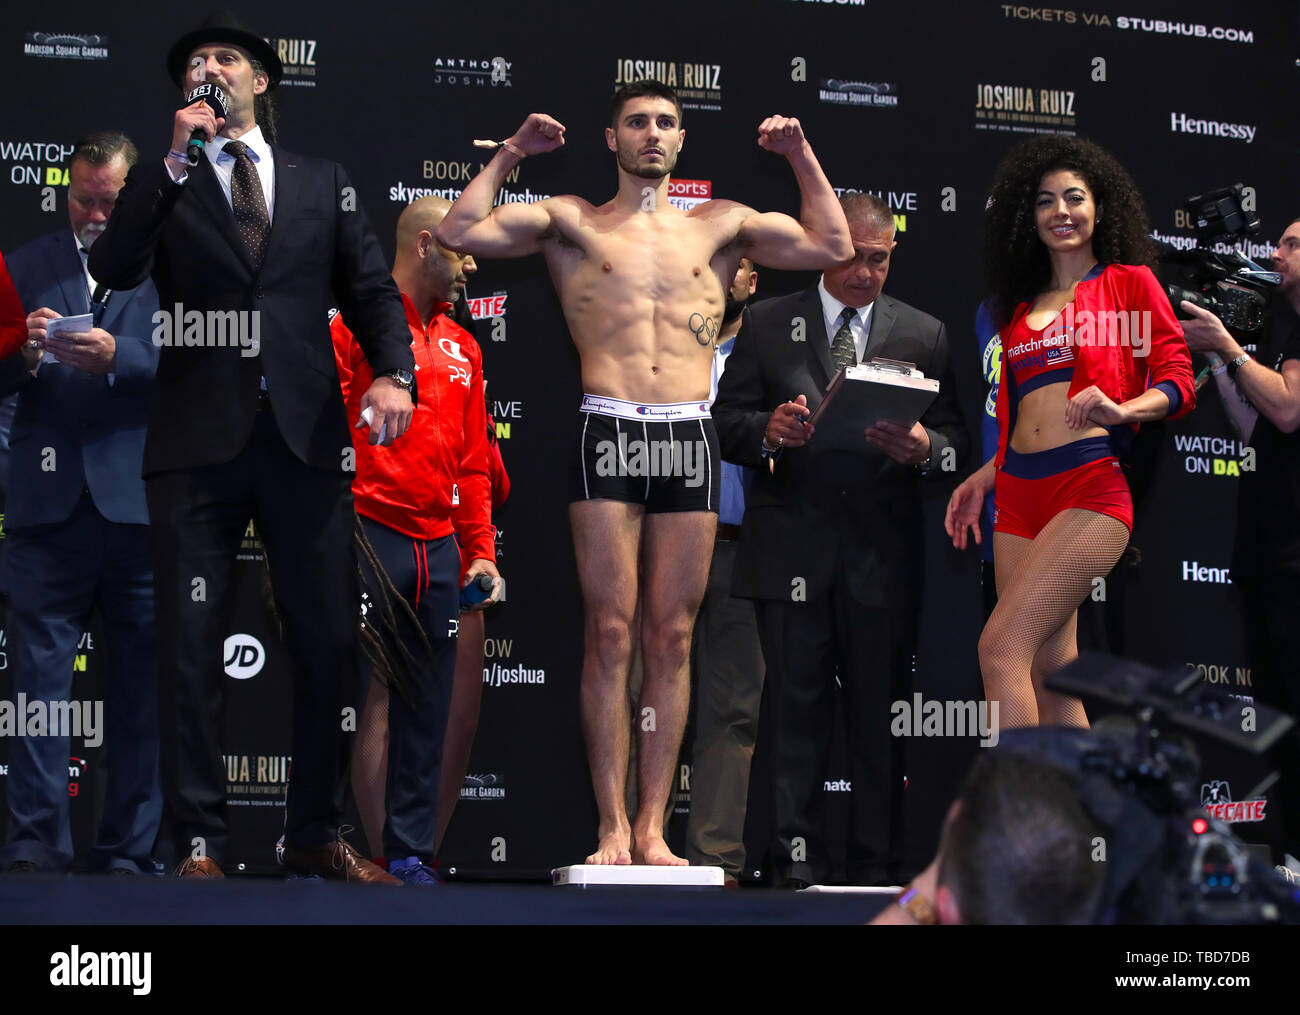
216,99
476,591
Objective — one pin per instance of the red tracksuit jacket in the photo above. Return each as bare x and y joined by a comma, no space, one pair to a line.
435,478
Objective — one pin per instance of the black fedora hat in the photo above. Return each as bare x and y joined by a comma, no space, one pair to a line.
223,26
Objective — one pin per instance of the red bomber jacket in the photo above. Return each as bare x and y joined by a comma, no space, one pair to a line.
13,319
435,478
1109,364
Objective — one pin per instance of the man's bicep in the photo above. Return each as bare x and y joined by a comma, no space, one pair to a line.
511,230
777,240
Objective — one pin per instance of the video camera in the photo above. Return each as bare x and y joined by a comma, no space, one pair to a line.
1229,285
1169,861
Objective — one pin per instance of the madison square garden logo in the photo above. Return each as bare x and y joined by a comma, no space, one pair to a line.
864,94
65,46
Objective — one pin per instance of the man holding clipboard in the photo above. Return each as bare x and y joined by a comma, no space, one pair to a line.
830,548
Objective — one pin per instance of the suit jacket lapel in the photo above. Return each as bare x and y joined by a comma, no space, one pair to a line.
287,193
69,269
882,322
117,304
207,188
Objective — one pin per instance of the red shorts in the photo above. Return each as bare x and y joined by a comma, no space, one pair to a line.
1032,489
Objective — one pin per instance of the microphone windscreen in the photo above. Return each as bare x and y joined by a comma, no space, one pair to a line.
212,95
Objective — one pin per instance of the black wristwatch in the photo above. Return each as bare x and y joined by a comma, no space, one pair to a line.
403,377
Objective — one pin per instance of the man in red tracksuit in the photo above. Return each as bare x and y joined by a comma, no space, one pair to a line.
416,498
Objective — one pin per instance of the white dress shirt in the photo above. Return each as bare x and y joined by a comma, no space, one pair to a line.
223,166
859,323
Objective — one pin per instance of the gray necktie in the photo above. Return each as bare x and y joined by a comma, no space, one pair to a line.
248,202
844,353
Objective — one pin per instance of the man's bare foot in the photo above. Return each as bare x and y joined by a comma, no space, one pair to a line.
614,848
653,850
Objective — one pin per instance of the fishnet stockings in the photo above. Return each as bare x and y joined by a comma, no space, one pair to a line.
1031,633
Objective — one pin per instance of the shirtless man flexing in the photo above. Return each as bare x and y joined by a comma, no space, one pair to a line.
642,286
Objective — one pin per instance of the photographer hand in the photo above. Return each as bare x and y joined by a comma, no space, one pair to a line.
1206,333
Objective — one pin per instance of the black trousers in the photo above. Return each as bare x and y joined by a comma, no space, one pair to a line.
806,646
728,665
1272,608
427,574
305,518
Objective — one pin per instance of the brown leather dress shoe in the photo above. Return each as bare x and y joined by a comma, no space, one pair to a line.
205,868
337,861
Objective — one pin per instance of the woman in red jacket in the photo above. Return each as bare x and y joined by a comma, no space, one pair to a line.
1090,349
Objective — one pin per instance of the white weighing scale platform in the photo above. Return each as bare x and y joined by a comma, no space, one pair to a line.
637,875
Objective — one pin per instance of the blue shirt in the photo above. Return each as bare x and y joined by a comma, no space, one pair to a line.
735,478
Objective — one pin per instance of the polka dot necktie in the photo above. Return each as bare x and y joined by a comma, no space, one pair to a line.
844,352
248,202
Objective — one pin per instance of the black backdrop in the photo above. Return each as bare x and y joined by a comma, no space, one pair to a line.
397,91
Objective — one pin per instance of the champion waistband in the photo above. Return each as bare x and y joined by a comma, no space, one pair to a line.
607,406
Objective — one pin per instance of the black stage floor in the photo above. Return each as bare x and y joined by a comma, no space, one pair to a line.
103,901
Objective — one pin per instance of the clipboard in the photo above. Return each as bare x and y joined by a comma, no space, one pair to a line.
864,394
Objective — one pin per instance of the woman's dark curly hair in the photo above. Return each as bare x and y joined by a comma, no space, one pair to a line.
1016,263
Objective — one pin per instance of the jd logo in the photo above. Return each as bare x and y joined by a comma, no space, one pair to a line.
244,656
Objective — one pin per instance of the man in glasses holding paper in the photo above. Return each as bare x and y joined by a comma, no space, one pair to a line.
77,533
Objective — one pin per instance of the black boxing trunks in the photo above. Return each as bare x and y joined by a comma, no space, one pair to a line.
663,456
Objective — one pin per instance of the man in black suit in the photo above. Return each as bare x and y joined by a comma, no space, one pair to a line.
247,420
830,546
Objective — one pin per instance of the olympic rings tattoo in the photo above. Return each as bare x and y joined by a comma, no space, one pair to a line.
705,329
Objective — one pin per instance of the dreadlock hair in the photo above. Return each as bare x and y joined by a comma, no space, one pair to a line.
387,616
264,105
1016,263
